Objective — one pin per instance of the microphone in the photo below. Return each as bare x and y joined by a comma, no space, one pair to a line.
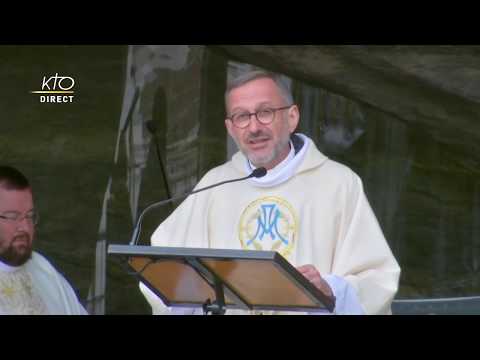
257,173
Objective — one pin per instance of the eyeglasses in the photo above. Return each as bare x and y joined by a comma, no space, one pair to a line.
264,116
32,217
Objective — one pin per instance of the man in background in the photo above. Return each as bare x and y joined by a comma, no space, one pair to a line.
29,284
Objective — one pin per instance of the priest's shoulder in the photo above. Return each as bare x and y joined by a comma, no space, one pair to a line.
340,173
219,173
40,261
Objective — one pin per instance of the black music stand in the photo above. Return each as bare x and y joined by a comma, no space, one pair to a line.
221,279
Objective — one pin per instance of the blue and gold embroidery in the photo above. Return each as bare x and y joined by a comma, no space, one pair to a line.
270,224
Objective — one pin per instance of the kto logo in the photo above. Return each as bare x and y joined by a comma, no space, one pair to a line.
56,89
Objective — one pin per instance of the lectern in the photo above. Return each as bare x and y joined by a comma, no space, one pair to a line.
218,279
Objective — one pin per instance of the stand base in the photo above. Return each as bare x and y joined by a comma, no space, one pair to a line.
213,308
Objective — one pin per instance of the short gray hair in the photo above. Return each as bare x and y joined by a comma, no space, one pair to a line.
280,80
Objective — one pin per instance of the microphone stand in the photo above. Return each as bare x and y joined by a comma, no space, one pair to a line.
151,127
257,173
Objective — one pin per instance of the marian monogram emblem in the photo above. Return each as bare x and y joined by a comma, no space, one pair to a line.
269,224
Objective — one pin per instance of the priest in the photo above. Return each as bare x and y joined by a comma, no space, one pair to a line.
309,208
29,284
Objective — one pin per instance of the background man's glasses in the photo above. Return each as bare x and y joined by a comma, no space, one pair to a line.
31,217
264,117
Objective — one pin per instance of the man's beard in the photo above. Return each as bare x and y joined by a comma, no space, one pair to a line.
263,160
17,255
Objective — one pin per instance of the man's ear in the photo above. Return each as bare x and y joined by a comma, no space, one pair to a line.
293,118
228,125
